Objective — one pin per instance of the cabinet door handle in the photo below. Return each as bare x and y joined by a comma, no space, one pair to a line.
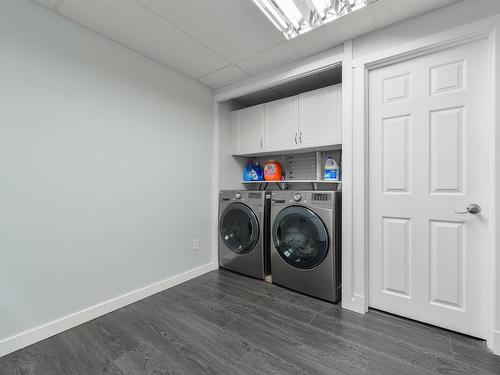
300,137
295,138
261,142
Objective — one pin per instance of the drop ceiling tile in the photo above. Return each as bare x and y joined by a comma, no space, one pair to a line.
47,3
234,29
392,11
223,77
137,27
272,58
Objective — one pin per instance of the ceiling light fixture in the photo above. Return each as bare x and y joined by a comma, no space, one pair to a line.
295,17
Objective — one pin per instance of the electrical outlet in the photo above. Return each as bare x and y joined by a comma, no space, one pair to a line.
196,244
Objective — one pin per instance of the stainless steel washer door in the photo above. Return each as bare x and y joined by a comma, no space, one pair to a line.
239,228
300,237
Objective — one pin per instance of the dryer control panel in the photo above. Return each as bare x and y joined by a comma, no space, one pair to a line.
309,198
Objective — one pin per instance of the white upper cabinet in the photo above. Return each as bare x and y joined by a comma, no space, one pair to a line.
305,121
282,124
320,117
250,129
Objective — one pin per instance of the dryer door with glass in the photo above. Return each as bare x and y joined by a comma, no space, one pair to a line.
300,237
239,228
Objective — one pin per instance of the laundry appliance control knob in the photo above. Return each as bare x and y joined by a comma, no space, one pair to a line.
297,197
237,196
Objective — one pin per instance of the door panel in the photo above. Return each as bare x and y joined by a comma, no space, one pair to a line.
251,129
447,77
396,255
446,142
320,116
396,88
395,154
447,250
428,158
282,124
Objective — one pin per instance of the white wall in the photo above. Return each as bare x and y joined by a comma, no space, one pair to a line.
105,169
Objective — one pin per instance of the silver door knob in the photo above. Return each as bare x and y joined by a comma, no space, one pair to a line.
471,209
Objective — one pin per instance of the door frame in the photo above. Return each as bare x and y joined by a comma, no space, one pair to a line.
355,262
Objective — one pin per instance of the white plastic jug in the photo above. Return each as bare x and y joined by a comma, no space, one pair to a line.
332,170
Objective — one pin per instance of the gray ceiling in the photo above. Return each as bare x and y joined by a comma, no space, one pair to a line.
220,42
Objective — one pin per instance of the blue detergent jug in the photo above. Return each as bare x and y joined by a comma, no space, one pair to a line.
253,172
247,172
259,172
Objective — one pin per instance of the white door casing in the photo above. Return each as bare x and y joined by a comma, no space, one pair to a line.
428,131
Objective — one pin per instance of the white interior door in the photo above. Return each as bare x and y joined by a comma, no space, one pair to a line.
429,156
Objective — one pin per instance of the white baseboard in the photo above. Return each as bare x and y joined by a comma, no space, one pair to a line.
52,328
356,304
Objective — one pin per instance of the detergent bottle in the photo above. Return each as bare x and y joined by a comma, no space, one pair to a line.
273,171
253,172
332,170
248,172
258,172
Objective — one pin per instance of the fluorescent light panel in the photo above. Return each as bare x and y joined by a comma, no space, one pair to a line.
295,17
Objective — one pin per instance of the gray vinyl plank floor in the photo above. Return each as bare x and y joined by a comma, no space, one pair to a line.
225,323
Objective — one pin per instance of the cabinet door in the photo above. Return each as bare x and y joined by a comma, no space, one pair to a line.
320,117
282,124
251,129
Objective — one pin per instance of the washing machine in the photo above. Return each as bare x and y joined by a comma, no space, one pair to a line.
306,242
244,232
